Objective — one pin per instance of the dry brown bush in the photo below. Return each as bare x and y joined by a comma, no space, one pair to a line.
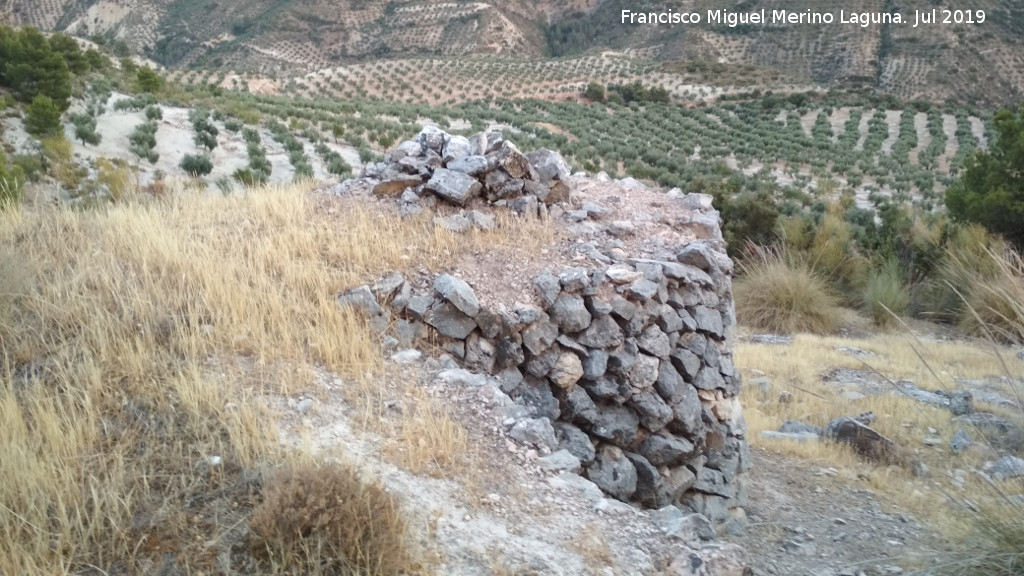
329,520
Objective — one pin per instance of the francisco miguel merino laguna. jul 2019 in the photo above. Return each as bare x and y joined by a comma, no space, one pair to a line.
789,17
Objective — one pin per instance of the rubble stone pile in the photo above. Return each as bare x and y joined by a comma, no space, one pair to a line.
622,365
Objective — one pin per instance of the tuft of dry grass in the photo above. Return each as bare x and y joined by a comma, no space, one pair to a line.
328,520
779,295
138,350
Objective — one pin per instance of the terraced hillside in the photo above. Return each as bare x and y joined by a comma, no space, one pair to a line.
979,63
983,63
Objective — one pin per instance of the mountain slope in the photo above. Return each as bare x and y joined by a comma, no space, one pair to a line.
980,63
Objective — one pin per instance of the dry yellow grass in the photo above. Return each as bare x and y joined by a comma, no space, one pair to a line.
141,340
797,369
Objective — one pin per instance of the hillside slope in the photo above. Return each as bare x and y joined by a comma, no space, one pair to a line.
981,63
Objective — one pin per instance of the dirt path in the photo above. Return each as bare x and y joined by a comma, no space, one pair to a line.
804,521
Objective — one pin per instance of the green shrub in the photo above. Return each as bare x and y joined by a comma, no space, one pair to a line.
886,293
196,164
42,117
594,92
782,295
11,182
154,112
991,189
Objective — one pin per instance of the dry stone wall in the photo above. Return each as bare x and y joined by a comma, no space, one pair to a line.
626,364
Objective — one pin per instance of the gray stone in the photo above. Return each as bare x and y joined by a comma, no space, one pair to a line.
623,274
419,306
961,402
623,308
595,364
574,279
471,165
686,413
697,201
480,353
524,206
865,440
1007,467
792,436
410,356
540,335
654,342
644,373
675,481
712,481
456,147
549,165
642,289
514,162
603,332
616,424
527,313
615,389
709,320
536,394
481,220
541,364
621,361
698,255
653,411
960,441
797,427
361,299
575,441
559,461
452,186
650,269
509,353
432,138
510,379
708,379
449,320
570,313
666,449
690,528
693,342
668,319
648,480
547,287
567,370
686,363
577,406
458,293
593,209
669,382
462,377
715,508
455,223
613,473
577,484
535,431
490,323
621,228
598,307
406,148
569,344
408,332
537,189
